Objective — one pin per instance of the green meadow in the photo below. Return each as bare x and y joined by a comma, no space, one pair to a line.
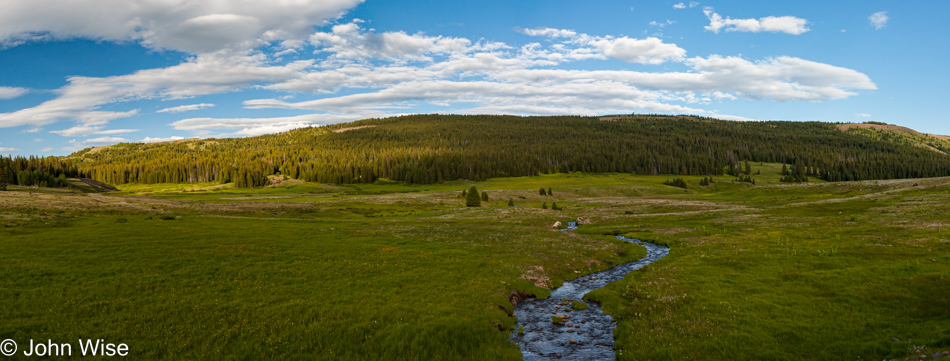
393,271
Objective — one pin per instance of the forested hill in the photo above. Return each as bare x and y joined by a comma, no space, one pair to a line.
434,148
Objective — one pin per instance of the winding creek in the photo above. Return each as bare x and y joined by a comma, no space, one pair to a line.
584,334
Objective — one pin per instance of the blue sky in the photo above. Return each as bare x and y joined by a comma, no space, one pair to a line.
86,73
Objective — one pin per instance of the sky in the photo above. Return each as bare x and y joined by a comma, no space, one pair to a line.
81,73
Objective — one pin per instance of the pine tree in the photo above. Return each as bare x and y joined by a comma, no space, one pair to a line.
748,168
554,206
471,199
463,194
544,205
3,178
550,193
511,202
484,196
541,192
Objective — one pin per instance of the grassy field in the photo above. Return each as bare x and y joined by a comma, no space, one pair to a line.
405,272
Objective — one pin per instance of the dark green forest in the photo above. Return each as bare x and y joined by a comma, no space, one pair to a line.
436,148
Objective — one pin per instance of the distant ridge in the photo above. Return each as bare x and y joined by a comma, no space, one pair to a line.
432,148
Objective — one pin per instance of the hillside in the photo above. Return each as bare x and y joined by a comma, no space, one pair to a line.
436,148
900,135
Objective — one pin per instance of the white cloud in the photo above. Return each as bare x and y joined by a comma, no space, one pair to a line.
5,149
101,141
862,115
47,149
194,26
548,32
185,108
158,140
80,99
85,129
93,122
776,24
679,6
389,73
879,19
258,126
7,92
349,41
644,51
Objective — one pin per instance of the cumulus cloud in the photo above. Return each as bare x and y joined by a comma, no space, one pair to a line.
691,5
258,126
100,141
185,108
349,41
776,24
7,92
644,51
158,140
878,19
194,26
548,32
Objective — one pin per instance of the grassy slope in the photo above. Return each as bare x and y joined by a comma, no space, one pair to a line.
772,271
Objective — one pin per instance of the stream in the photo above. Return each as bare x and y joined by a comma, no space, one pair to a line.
583,334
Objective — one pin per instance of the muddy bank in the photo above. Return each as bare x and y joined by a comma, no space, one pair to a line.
582,334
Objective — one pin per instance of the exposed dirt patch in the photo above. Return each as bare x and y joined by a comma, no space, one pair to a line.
536,276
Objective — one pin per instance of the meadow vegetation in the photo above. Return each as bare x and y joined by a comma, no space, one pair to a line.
398,271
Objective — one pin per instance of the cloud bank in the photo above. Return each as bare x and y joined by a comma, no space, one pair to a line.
345,71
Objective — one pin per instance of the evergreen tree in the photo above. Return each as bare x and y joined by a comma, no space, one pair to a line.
544,205
748,168
676,182
3,178
550,193
484,196
511,202
542,192
554,206
471,199
463,194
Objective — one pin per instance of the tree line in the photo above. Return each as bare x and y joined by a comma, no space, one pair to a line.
36,171
434,148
